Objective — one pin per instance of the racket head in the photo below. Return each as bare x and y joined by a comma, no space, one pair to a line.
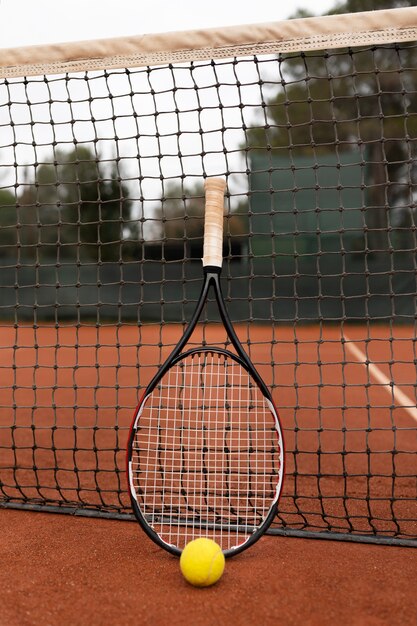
205,453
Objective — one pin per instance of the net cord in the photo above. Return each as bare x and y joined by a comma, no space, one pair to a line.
304,34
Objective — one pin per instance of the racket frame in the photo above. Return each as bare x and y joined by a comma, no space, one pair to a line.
211,282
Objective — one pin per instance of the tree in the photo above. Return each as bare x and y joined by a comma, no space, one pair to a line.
81,206
354,99
181,216
355,6
8,230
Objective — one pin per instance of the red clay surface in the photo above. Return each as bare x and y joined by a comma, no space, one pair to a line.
68,400
59,570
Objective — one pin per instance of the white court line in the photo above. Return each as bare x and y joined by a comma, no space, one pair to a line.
400,397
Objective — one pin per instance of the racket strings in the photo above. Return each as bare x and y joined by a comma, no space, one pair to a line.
206,453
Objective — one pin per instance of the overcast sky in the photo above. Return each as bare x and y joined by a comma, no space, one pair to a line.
31,22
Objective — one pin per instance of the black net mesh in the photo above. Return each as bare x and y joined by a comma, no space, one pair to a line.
101,198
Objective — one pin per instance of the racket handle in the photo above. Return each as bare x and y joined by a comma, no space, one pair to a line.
213,222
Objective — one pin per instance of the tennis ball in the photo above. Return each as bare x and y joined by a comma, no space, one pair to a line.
202,562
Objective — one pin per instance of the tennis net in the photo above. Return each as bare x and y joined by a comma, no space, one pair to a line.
104,147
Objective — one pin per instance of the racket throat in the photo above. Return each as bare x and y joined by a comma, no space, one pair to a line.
212,281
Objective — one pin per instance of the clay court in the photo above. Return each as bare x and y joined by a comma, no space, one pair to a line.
106,208
58,569
68,404
67,437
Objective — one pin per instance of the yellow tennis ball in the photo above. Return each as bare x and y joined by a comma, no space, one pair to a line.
202,562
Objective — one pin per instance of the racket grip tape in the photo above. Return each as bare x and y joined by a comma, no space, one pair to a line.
213,222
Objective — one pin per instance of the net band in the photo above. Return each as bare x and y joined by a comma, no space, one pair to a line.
366,28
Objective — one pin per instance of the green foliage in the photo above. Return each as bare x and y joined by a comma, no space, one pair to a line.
77,208
356,6
181,214
8,232
362,99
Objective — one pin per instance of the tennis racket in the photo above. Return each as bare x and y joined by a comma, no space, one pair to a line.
205,453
